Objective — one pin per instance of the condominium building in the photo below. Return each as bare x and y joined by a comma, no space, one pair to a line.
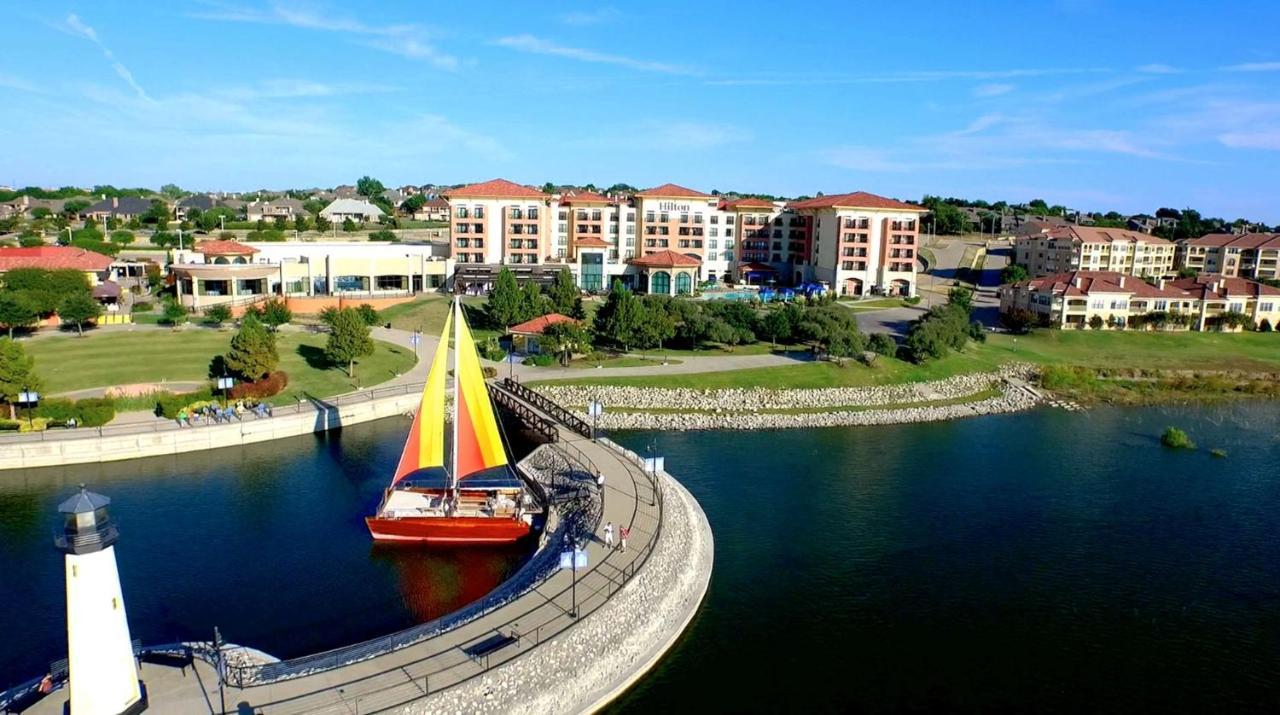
1073,299
862,243
690,236
1085,248
1252,255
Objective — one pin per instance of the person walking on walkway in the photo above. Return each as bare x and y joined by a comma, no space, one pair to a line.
600,480
608,535
624,532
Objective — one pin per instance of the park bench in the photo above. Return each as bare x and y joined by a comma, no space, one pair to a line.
484,648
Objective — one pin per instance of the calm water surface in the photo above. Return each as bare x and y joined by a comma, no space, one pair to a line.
1045,561
1036,562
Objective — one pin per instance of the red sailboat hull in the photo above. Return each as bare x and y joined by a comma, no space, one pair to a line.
448,530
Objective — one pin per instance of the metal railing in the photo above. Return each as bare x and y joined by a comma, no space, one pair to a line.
560,414
308,405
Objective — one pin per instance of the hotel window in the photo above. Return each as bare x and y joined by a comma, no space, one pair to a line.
777,221
462,212
595,214
477,228
631,216
631,229
1237,307
728,221
1098,304
532,213
461,228
563,228
728,233
664,216
728,244
1161,304
713,244
1266,307
712,256
648,216
714,219
462,243
714,231
582,214
478,212
564,215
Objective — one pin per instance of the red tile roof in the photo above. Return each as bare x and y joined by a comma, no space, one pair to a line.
225,248
855,200
495,189
585,197
53,258
665,259
541,323
746,204
591,242
1081,283
756,268
1090,234
1248,240
672,191
1214,285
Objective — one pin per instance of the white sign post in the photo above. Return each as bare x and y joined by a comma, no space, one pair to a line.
594,410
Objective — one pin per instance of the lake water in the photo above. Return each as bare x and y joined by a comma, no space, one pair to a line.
1045,561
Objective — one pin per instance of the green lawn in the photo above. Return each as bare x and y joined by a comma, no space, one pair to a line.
426,313
1171,351
622,361
68,363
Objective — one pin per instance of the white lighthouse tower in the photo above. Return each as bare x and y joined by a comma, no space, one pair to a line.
102,669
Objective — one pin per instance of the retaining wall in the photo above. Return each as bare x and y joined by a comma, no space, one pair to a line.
83,447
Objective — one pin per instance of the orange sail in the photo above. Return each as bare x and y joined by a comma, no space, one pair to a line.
425,446
477,443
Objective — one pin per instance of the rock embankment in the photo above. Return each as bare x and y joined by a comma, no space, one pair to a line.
688,409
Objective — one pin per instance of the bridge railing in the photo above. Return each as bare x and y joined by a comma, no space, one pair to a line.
537,399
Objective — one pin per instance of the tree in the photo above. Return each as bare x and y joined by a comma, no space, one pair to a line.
78,309
15,311
506,302
17,373
652,327
883,344
214,218
564,339
384,235
158,214
253,350
413,204
275,312
565,297
618,318
122,237
1018,320
301,223
73,207
535,304
368,314
777,326
328,314
1096,322
155,276
173,191
348,339
368,187
218,314
1013,273
323,224
348,225
962,297
174,313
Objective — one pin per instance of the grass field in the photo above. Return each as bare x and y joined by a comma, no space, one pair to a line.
1250,352
426,313
152,356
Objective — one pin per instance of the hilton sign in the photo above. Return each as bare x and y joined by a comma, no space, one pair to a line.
672,206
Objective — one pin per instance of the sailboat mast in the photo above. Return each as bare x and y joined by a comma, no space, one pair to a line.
457,399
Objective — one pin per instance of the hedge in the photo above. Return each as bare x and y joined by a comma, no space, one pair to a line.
270,385
89,412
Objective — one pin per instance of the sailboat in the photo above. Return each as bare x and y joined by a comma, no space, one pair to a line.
478,499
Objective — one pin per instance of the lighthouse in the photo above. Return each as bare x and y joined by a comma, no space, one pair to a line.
102,669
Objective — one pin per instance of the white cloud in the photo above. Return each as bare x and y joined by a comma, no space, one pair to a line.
992,90
590,17
406,40
687,135
1262,139
75,26
299,88
1254,67
538,46
905,77
1157,68
18,83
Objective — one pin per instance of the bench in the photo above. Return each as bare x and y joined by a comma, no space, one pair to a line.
492,644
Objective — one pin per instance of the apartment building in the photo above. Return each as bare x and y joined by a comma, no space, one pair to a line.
1073,299
860,243
1251,255
1085,248
692,237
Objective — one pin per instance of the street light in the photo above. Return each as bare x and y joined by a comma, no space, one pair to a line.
595,409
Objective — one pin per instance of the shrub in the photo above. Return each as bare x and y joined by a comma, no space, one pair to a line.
1096,322
539,360
272,235
143,306
56,408
489,372
95,411
913,300
30,241
272,384
368,314
1175,438
122,237
384,235
168,403
1264,326
489,349
883,344
218,314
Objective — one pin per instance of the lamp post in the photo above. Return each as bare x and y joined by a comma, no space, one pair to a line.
595,409
222,222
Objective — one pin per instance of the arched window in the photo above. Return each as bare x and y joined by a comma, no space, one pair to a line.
241,259
221,259
660,282
684,284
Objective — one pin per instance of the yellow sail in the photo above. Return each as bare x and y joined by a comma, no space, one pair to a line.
425,445
478,444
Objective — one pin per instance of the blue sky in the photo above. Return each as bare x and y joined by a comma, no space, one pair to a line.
1096,104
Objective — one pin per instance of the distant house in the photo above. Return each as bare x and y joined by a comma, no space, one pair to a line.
357,210
525,335
272,210
435,209
119,207
346,191
394,196
184,205
237,205
95,266
24,205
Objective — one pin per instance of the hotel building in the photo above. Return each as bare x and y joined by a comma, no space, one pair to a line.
1084,248
1253,255
689,237
1074,298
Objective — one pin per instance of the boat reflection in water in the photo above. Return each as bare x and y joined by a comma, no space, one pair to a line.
434,582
